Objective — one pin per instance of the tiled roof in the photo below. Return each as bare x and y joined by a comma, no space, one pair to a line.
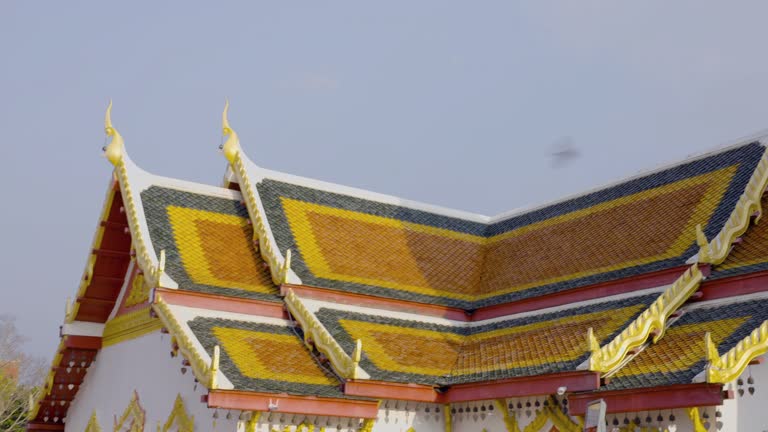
751,254
207,242
642,225
265,357
680,354
419,352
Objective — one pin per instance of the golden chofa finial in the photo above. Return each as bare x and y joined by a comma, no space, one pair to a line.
232,145
115,150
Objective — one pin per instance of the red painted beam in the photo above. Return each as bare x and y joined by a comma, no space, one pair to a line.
390,390
82,342
222,303
649,399
309,405
44,427
523,386
341,297
733,286
589,292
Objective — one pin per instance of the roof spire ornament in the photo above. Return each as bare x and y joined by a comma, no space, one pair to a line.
115,150
231,146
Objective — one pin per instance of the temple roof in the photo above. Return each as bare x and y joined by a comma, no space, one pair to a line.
681,354
441,352
348,240
207,241
750,254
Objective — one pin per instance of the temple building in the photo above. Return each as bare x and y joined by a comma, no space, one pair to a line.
276,303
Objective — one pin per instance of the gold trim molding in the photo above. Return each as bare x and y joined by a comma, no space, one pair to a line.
205,373
279,267
726,368
347,366
652,320
115,152
129,326
716,250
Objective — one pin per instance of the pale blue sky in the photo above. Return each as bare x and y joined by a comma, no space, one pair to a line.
452,103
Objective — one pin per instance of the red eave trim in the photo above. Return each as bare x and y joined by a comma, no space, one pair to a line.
589,292
341,297
44,427
510,387
309,405
82,342
648,399
733,286
523,386
390,390
222,303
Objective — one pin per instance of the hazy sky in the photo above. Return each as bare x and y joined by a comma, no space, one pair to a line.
452,103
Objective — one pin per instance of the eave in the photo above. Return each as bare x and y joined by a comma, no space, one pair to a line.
654,398
293,404
221,303
524,386
589,292
107,263
485,390
342,297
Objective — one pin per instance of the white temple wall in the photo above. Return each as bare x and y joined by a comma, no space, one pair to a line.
752,407
143,364
399,416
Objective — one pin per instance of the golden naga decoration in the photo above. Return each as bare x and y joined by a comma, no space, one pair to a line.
652,321
204,372
279,267
115,152
726,368
715,251
314,332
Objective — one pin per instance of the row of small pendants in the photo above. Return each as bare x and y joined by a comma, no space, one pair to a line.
661,419
54,410
393,411
279,421
528,407
750,384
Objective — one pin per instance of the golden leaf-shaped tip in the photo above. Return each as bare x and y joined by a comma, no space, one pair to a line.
114,151
225,117
232,146
108,119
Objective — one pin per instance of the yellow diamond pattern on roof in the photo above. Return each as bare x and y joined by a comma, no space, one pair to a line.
432,352
215,249
641,228
271,356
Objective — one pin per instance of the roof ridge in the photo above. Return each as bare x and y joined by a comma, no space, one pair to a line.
265,173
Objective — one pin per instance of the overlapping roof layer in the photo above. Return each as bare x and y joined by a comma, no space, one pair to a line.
750,254
207,242
642,225
422,352
265,357
681,354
